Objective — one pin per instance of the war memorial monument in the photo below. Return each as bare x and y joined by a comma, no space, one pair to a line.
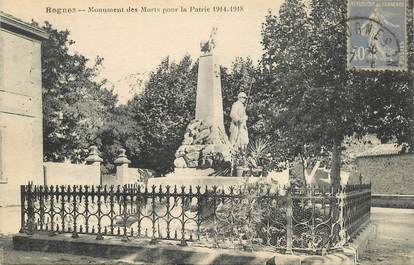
197,214
206,146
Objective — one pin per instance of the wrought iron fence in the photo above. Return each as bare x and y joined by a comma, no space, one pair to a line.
356,207
251,216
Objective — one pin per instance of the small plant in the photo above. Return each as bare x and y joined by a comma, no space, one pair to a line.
239,158
244,219
257,151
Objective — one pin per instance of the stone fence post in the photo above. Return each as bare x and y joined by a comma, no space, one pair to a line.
122,167
93,157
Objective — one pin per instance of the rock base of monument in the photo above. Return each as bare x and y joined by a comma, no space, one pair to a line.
204,145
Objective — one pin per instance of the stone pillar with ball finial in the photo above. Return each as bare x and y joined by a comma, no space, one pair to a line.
93,156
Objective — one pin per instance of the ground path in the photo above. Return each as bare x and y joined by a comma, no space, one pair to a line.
394,242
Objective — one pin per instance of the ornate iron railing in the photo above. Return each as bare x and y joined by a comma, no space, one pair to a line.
253,216
356,208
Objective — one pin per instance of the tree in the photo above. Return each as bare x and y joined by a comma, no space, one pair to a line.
286,64
162,112
120,130
167,105
75,104
320,102
363,102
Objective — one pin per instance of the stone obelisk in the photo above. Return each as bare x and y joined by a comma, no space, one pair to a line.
205,142
209,103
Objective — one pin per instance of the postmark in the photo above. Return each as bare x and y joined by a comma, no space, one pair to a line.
377,35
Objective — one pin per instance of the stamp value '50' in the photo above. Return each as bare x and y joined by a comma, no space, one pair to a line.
377,35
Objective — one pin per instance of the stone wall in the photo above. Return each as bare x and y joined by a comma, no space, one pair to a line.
139,175
392,201
389,174
21,140
132,176
71,174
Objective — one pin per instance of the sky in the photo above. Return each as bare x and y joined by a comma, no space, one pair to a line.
134,43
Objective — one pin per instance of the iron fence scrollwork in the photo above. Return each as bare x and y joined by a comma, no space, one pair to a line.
306,219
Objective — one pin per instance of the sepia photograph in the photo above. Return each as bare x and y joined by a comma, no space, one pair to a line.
207,132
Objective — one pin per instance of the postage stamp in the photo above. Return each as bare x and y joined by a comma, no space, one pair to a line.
377,35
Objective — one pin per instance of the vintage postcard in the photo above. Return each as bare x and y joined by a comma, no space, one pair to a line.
206,132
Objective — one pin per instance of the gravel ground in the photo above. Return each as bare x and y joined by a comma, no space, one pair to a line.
394,242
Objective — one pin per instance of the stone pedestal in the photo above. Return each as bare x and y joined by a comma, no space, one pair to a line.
205,142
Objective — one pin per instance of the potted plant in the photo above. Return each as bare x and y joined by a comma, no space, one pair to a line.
240,161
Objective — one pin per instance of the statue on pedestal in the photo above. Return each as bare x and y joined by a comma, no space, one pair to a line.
205,144
208,46
239,136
